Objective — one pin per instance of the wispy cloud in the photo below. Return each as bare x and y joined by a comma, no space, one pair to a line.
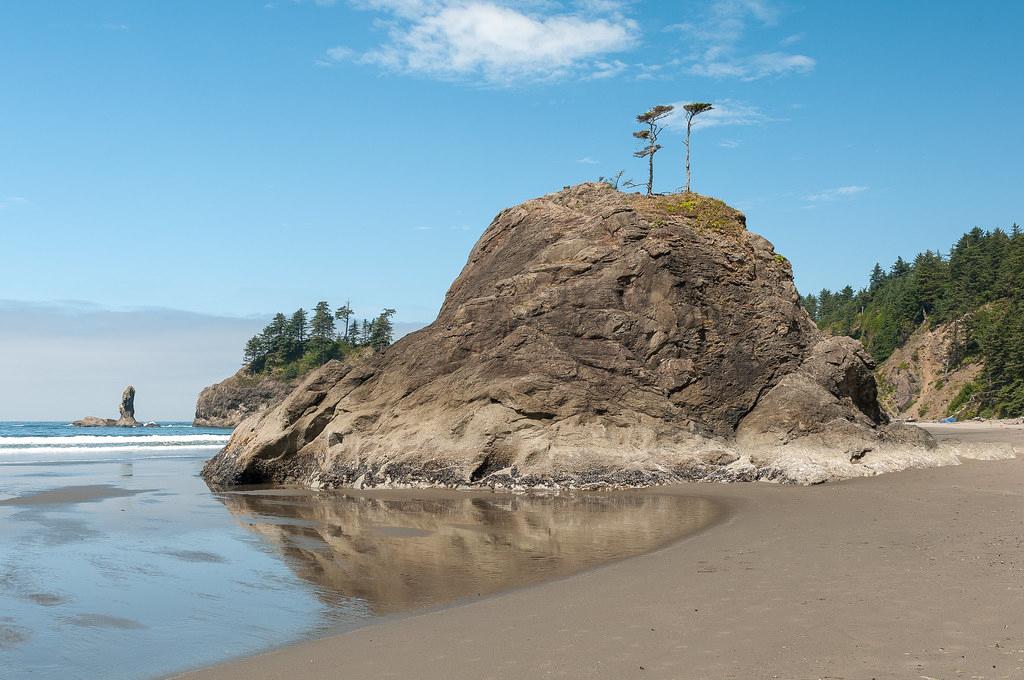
497,43
587,160
829,195
718,37
729,143
11,201
606,69
116,26
727,112
336,55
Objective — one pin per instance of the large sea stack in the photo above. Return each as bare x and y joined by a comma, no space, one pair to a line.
593,338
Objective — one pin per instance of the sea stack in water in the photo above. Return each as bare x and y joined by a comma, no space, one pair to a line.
126,410
593,338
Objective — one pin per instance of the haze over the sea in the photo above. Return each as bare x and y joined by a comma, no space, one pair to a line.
62,361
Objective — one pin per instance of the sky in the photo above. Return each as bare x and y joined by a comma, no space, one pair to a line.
235,158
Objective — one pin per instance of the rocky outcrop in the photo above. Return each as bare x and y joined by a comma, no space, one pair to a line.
126,417
919,380
593,338
231,401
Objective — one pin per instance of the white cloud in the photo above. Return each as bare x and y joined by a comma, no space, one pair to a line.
587,160
828,195
717,39
791,39
606,69
497,44
729,143
754,67
726,112
602,6
335,55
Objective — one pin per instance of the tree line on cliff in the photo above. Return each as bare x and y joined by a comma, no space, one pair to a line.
978,287
293,345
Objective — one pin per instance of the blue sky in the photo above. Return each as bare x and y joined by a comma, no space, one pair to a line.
241,157
236,158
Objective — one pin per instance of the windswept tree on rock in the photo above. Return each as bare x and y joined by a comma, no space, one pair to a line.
650,136
692,111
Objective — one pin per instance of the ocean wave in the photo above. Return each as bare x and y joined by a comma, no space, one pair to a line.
119,441
51,450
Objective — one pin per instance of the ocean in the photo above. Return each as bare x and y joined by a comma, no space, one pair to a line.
61,442
118,562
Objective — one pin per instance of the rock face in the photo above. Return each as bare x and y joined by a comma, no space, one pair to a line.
231,401
126,409
593,338
918,381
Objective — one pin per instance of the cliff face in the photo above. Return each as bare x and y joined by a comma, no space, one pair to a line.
593,337
231,401
917,381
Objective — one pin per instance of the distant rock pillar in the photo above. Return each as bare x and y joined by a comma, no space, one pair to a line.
127,408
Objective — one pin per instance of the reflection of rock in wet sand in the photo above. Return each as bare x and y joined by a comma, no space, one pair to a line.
399,551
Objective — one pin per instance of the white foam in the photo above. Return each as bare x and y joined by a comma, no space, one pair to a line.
115,440
51,450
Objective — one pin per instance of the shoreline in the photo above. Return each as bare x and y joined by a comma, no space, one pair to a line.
919,573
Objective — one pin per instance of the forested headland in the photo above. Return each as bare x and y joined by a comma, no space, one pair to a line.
978,288
290,346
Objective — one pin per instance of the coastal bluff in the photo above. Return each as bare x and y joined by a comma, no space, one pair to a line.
229,402
594,338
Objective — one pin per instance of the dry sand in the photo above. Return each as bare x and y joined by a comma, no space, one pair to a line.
917,574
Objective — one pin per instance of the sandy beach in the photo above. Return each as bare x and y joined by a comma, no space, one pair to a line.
918,574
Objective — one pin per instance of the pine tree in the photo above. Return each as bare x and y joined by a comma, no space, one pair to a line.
692,111
877,278
276,340
298,332
254,353
650,136
381,330
344,313
321,326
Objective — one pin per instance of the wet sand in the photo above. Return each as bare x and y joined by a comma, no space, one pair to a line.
69,495
127,571
917,574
